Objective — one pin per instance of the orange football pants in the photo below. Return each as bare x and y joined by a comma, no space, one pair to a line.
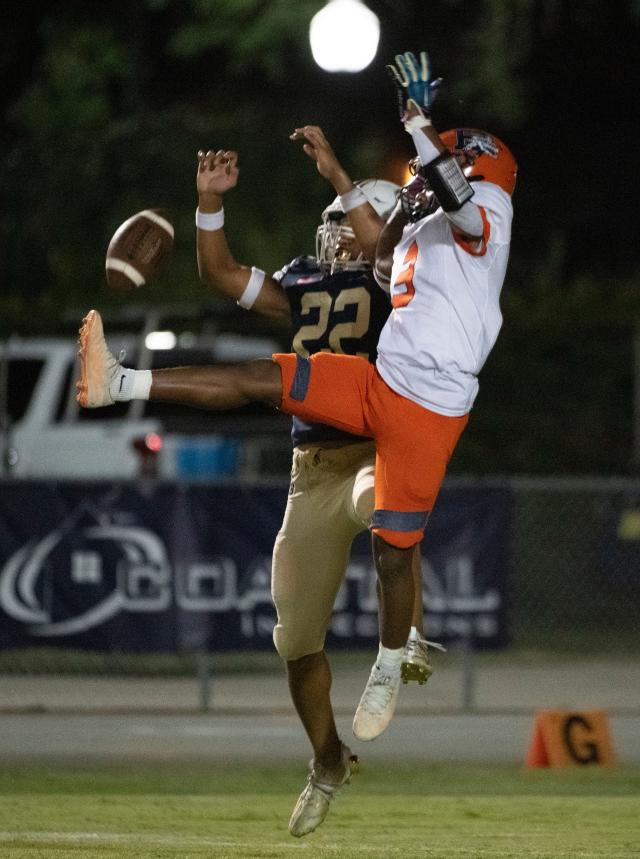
413,444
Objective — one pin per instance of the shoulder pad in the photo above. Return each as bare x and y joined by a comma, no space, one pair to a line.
303,268
299,265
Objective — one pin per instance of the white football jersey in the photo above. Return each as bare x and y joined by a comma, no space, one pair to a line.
446,306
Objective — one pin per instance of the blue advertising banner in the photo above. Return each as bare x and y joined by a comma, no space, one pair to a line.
164,567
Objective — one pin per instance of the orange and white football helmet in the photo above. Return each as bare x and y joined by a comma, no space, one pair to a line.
484,156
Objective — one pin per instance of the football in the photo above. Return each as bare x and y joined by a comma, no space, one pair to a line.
137,250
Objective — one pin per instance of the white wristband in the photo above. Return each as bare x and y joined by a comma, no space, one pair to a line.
352,199
415,122
252,289
209,220
424,147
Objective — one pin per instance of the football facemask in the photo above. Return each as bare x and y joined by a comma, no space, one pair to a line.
416,198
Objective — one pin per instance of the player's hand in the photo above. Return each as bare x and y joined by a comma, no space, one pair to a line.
415,87
217,171
318,148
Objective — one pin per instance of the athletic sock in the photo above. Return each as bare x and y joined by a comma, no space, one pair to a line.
142,380
131,385
389,659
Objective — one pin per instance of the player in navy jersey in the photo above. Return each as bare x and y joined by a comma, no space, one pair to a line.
333,304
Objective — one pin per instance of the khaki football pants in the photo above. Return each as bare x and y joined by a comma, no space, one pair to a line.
330,502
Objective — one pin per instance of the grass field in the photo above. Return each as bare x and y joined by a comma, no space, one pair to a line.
184,810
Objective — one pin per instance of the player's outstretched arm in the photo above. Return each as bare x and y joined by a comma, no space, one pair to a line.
250,287
416,91
364,219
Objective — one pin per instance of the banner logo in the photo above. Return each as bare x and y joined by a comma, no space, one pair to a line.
476,143
116,567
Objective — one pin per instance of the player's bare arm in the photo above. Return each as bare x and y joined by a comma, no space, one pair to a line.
218,173
389,237
363,218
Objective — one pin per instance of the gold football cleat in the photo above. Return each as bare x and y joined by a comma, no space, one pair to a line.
416,665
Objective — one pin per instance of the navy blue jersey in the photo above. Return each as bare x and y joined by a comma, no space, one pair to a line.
342,312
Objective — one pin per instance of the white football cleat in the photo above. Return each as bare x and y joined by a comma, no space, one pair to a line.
377,705
321,788
98,367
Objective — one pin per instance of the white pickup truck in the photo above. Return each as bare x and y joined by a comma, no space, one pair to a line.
44,433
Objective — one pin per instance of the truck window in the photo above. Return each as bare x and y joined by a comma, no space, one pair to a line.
22,377
118,411
249,419
64,395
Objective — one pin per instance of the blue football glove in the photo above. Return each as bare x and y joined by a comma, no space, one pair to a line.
413,82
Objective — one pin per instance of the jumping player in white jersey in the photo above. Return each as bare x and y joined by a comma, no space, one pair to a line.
447,274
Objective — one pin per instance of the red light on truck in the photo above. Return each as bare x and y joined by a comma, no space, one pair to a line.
153,442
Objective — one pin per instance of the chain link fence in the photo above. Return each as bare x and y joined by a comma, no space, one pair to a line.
574,600
576,565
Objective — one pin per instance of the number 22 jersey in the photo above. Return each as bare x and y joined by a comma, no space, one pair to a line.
342,312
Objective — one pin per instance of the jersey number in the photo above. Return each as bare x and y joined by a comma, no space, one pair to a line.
357,295
401,299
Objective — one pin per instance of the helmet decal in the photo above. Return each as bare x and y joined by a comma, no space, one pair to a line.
487,157
476,143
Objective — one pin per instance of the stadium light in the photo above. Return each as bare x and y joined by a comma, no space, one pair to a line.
344,36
